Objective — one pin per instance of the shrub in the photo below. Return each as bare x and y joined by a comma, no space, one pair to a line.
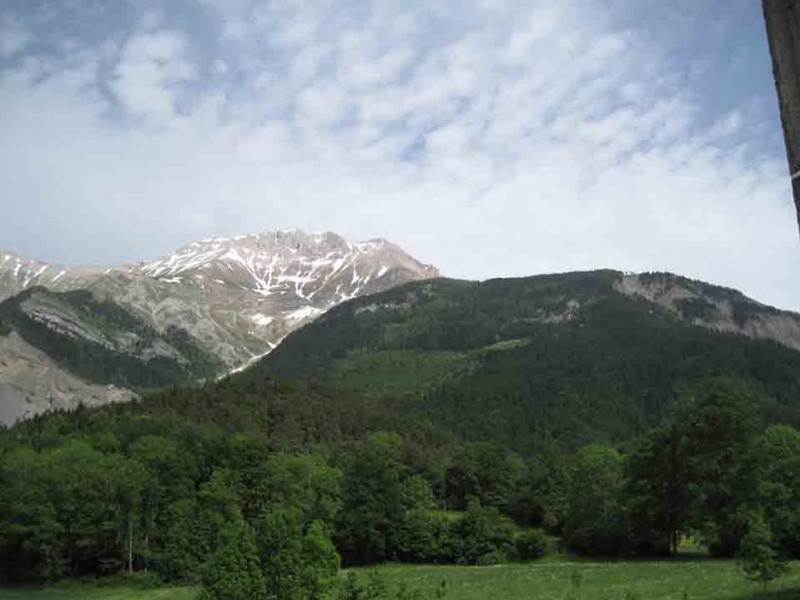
495,557
141,580
531,544
375,588
481,531
425,537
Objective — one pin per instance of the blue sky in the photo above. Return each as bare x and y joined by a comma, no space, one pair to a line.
488,137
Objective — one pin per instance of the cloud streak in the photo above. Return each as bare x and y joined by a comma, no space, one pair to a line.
504,139
151,68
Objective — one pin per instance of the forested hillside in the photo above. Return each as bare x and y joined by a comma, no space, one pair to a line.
566,358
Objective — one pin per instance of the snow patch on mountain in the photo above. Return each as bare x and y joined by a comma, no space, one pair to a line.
261,320
237,297
304,313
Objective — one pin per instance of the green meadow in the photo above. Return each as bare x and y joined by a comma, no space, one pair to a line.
584,580
76,591
549,579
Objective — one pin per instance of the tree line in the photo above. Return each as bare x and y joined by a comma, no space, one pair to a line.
96,492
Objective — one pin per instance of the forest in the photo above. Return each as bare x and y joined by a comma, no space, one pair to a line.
274,510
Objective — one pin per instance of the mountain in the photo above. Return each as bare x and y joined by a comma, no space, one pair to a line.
18,273
575,358
230,301
61,348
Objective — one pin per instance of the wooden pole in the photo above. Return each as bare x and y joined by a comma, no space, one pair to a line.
130,544
782,18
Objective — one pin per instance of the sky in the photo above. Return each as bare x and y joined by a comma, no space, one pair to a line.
487,137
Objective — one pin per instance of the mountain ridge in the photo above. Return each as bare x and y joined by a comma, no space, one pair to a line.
235,298
250,290
566,356
232,301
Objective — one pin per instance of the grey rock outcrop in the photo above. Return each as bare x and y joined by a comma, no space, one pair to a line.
32,383
714,307
236,298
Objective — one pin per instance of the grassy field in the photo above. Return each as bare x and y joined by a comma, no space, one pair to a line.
92,592
552,579
584,580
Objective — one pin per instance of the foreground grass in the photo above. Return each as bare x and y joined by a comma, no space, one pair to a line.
550,579
75,591
584,580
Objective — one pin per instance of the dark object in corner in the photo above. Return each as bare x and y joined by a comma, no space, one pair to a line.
783,31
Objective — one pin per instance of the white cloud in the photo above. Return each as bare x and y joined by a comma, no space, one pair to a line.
528,137
322,104
150,69
360,72
541,26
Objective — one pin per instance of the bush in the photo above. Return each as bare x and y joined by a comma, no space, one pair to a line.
496,557
480,532
425,537
375,588
141,580
531,544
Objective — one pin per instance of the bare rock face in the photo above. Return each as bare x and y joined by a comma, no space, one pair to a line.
32,383
237,298
240,297
714,307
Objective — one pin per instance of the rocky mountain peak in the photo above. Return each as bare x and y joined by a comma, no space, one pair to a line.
289,262
238,297
18,273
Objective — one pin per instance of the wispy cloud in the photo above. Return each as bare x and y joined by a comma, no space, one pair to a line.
13,37
492,138
151,68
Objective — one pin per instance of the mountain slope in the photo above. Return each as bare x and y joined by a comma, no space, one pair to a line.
61,348
717,308
31,382
207,309
576,357
237,298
